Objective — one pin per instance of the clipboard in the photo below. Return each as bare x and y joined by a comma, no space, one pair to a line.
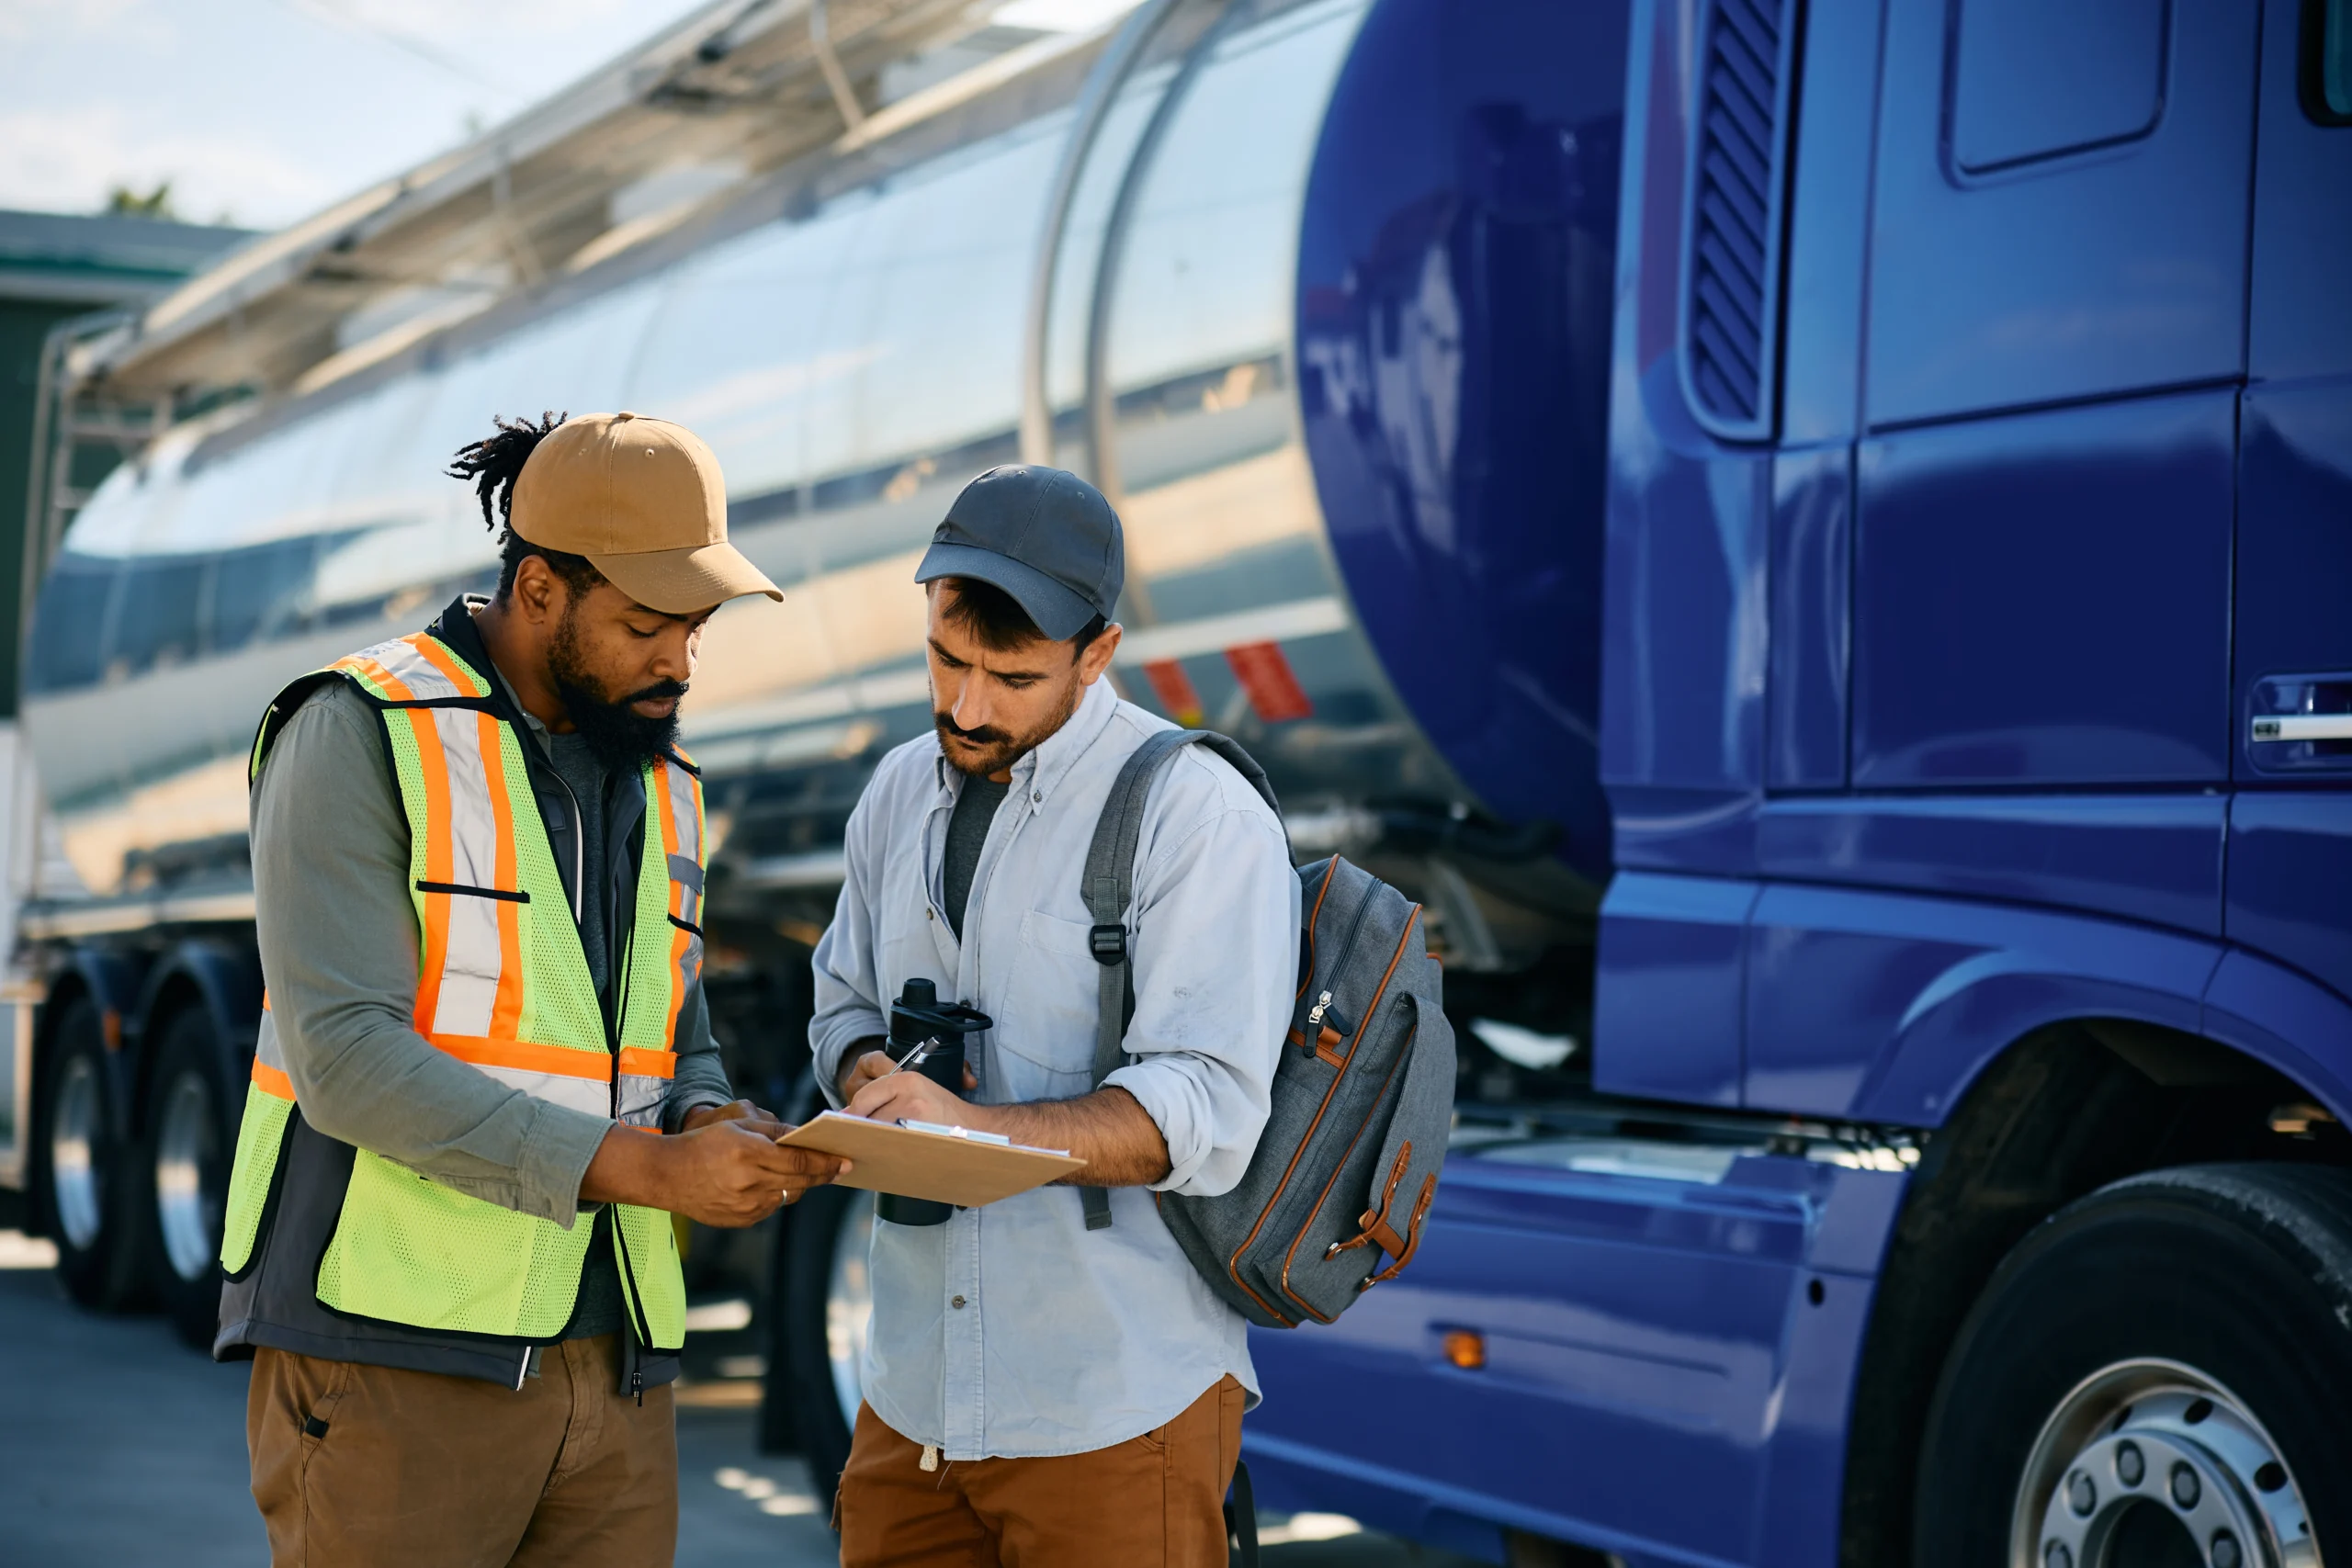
921,1159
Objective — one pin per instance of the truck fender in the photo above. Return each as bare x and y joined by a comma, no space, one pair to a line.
224,980
2279,1017
112,981
2257,1009
1953,984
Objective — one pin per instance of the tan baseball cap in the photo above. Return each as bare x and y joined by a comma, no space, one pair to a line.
644,501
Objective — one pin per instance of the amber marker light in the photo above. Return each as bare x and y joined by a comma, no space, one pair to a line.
1466,1348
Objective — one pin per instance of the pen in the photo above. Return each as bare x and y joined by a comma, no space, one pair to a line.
913,1058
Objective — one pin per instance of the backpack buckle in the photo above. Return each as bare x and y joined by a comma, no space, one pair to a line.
1109,944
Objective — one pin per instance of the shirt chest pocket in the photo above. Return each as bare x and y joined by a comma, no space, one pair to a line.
1045,1010
909,942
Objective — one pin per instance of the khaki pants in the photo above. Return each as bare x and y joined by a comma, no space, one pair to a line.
370,1467
1157,1500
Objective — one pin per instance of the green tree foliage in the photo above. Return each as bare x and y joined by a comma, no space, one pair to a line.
124,202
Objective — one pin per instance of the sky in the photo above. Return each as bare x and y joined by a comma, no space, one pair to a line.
260,112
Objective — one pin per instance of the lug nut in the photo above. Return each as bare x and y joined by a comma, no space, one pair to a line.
2186,1487
2130,1468
2081,1495
2225,1551
2056,1555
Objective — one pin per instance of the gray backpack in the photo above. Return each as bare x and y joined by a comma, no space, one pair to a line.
1362,1099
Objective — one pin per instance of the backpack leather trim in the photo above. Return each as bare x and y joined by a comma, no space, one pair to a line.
1371,1011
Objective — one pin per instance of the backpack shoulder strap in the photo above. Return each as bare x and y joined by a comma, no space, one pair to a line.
1110,888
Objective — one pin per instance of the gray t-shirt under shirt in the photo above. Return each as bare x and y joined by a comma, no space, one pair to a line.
967,830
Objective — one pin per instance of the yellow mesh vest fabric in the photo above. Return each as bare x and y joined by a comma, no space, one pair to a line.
559,1004
261,1132
411,1251
645,1018
650,1276
408,1250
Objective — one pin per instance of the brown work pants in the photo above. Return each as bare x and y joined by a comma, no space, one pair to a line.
371,1467
1157,1500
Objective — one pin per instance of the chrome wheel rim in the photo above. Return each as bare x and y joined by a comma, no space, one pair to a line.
2151,1458
73,1153
849,1302
188,1145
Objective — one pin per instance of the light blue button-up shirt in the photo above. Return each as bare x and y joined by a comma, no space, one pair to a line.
1013,1330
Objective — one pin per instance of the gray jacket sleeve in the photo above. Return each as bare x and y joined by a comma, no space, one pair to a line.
339,953
701,1078
1215,919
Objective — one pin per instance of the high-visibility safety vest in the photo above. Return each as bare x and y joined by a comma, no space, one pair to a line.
503,984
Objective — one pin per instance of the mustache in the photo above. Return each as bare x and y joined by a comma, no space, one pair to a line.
656,692
983,736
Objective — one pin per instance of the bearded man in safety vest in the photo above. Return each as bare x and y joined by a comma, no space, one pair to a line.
485,1079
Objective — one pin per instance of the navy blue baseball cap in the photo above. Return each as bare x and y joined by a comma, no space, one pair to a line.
1044,536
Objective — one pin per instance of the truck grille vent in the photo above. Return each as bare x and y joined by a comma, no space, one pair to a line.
1731,270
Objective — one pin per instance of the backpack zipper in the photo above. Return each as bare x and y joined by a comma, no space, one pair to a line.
1347,949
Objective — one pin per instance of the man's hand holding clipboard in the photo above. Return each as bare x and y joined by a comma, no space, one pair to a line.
942,1163
1113,1137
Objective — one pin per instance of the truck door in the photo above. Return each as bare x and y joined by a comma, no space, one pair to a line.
2290,824
2044,481
2056,336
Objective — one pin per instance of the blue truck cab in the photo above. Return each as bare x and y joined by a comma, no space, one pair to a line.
1975,726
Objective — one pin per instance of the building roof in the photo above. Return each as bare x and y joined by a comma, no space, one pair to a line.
103,260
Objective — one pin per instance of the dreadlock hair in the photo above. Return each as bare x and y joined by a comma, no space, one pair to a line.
998,621
493,464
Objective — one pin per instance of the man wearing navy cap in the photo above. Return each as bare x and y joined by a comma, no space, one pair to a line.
1037,1391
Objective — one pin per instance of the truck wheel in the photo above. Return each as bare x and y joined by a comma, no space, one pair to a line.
87,1207
186,1154
827,1302
2154,1377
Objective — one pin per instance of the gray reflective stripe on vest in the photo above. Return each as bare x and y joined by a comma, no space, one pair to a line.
591,1097
1110,888
471,969
685,872
400,659
641,1099
266,1049
680,786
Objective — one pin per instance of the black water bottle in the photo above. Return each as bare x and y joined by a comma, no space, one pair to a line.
922,1025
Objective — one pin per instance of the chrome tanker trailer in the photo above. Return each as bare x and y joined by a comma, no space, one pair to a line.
1323,305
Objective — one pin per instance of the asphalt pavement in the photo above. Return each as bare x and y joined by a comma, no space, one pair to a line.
123,1447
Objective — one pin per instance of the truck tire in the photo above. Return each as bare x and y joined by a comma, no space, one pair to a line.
89,1204
2154,1376
820,1332
185,1157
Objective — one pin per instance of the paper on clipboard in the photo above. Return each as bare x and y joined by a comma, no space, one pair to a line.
945,1165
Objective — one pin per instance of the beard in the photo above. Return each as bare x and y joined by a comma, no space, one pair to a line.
977,753
622,739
